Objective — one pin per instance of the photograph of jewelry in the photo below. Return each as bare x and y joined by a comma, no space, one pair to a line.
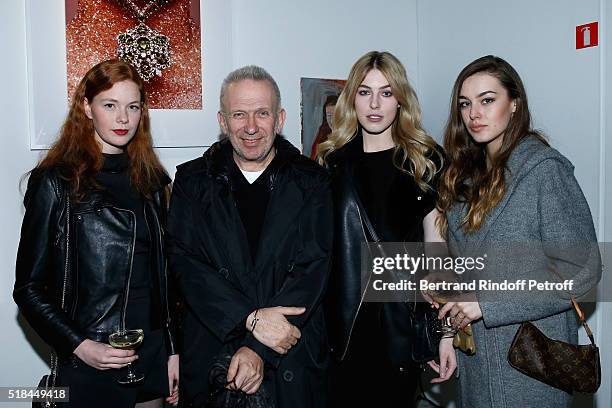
160,38
146,49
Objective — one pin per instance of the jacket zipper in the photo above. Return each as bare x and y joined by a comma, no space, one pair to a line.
129,277
67,261
362,296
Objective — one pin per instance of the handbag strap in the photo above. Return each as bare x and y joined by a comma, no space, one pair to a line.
363,215
578,310
580,314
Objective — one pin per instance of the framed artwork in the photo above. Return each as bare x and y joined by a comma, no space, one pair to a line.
160,38
56,27
319,98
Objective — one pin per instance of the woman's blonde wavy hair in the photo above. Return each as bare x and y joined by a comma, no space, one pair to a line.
412,143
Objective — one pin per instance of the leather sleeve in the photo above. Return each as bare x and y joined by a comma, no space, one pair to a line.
36,291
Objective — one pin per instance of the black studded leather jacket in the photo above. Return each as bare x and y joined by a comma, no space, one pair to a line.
90,255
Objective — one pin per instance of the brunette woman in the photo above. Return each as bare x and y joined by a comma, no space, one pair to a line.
505,190
91,258
384,168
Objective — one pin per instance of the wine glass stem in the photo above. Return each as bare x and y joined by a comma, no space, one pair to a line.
130,374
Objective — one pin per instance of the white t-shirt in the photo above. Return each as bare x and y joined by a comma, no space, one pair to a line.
251,176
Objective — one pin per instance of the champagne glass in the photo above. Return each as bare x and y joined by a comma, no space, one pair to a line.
128,340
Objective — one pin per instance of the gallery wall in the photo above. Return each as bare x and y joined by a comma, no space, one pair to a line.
568,90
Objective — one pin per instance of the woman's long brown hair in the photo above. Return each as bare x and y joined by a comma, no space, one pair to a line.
468,178
78,155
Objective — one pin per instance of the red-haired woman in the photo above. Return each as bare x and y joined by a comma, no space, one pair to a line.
91,259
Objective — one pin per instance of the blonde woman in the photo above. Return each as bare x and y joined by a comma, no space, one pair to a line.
384,171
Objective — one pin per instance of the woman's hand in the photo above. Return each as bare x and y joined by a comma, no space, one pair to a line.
448,361
173,379
102,356
462,313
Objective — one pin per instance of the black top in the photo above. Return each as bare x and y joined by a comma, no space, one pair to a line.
382,187
375,175
115,180
396,207
251,201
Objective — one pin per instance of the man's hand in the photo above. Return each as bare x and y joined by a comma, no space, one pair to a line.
245,371
272,328
102,356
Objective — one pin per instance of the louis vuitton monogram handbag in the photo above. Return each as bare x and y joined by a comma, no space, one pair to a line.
568,367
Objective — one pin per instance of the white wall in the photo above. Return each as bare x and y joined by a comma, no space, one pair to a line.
16,357
434,39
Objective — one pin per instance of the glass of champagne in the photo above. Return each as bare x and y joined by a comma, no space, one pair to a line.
128,340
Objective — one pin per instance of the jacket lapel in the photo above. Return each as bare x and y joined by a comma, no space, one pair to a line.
228,228
232,232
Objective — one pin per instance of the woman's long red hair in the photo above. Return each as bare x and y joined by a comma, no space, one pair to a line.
78,155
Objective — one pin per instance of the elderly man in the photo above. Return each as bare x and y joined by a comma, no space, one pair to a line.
250,231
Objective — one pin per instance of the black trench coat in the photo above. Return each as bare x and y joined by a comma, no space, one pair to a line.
208,251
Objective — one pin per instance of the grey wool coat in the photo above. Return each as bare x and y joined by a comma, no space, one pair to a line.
542,210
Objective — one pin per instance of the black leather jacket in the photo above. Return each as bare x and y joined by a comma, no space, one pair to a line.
345,296
95,259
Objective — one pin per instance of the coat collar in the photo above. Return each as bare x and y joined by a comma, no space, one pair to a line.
220,156
287,197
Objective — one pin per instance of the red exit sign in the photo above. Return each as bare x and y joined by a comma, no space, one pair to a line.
587,35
